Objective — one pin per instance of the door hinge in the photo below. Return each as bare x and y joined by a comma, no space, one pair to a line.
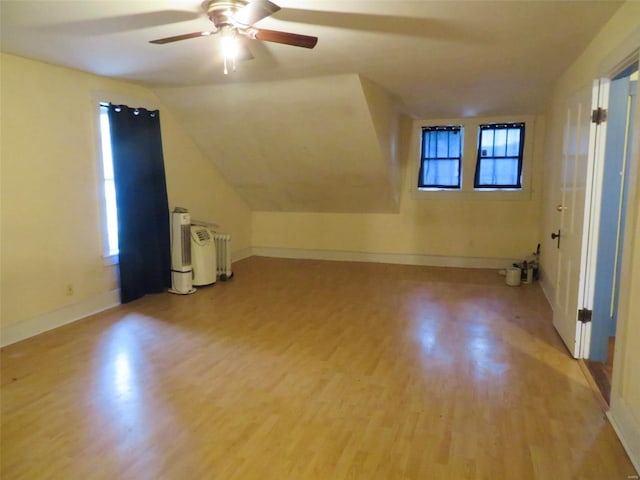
584,315
599,115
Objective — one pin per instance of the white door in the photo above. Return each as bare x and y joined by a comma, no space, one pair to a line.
576,184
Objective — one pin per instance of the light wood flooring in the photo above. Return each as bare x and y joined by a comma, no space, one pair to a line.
309,370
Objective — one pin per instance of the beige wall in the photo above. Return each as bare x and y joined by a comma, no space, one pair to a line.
615,42
51,207
386,122
627,361
498,225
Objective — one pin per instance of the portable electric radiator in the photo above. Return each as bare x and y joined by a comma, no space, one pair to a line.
223,255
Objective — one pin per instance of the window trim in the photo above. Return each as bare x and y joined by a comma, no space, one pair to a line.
424,159
520,157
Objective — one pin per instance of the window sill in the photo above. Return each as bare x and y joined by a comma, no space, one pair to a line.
501,194
438,189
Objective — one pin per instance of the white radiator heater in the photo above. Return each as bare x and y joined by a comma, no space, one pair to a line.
181,270
223,255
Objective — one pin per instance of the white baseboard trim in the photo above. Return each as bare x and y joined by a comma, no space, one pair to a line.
396,258
48,321
627,427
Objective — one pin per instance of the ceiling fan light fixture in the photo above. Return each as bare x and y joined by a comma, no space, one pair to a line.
230,50
237,17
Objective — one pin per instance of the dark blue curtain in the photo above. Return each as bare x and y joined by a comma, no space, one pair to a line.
141,200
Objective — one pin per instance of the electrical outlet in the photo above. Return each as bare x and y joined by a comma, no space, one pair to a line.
70,289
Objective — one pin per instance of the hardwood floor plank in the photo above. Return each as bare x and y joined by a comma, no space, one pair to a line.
301,369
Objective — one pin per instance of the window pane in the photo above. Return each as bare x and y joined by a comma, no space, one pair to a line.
513,142
441,173
486,143
432,144
443,144
110,209
500,143
486,174
112,216
498,171
454,144
105,140
507,171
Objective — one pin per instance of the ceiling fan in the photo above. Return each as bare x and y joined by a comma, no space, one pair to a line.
232,18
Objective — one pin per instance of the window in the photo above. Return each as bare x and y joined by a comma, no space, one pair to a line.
111,215
499,162
440,159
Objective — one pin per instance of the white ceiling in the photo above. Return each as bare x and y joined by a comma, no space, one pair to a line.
298,128
440,58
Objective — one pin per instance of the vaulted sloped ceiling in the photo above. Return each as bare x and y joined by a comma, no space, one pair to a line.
322,144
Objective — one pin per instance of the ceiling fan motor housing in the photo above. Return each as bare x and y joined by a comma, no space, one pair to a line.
220,12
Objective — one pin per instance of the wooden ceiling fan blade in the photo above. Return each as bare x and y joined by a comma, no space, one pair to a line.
286,38
178,38
254,12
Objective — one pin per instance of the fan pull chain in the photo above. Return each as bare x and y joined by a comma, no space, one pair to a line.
233,65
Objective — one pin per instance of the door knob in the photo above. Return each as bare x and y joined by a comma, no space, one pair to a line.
555,236
561,208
